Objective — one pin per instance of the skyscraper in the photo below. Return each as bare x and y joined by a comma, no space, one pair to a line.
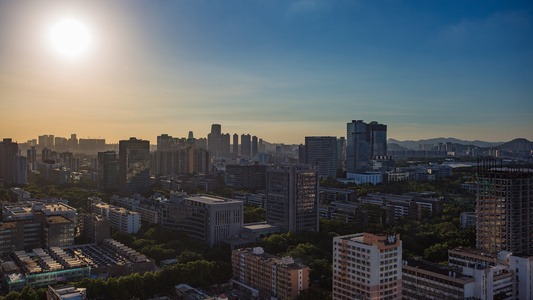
164,142
367,266
254,145
8,152
225,144
134,166
364,142
214,140
246,145
235,144
504,210
292,197
108,171
321,151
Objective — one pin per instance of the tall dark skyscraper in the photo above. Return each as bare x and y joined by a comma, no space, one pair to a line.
225,144
292,197
254,145
214,140
134,166
246,149
364,142
235,144
321,151
164,142
8,152
108,170
504,210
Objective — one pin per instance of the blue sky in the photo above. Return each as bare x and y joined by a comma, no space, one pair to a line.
281,70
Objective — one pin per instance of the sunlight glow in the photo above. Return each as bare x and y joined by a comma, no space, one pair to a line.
70,37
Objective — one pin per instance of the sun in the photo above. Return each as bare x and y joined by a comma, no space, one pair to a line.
70,37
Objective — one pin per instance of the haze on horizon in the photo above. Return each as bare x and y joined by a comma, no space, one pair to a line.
280,70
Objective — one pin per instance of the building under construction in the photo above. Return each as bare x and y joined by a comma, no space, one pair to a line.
504,208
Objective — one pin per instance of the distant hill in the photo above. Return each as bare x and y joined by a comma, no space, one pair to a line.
414,144
517,145
395,147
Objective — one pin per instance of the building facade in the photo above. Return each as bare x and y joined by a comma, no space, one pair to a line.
321,151
275,276
108,171
292,197
367,266
134,166
504,210
363,143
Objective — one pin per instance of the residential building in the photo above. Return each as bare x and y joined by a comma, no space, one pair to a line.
235,144
95,228
108,171
8,153
120,218
367,266
276,277
254,146
134,166
246,145
292,197
504,210
321,151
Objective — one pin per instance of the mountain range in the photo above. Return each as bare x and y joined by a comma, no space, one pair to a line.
398,145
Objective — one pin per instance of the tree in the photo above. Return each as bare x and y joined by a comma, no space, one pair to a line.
187,256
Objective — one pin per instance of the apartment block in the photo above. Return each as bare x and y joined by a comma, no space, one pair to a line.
367,266
504,210
292,197
120,218
274,276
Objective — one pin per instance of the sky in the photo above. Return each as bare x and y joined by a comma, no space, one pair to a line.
277,69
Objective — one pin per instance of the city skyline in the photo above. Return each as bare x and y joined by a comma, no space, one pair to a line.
279,70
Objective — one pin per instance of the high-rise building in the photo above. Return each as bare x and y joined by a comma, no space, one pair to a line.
46,140
73,141
367,266
341,154
108,171
254,145
364,142
278,277
31,155
8,152
321,151
214,140
20,170
164,142
504,210
225,144
292,197
246,149
134,166
235,149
